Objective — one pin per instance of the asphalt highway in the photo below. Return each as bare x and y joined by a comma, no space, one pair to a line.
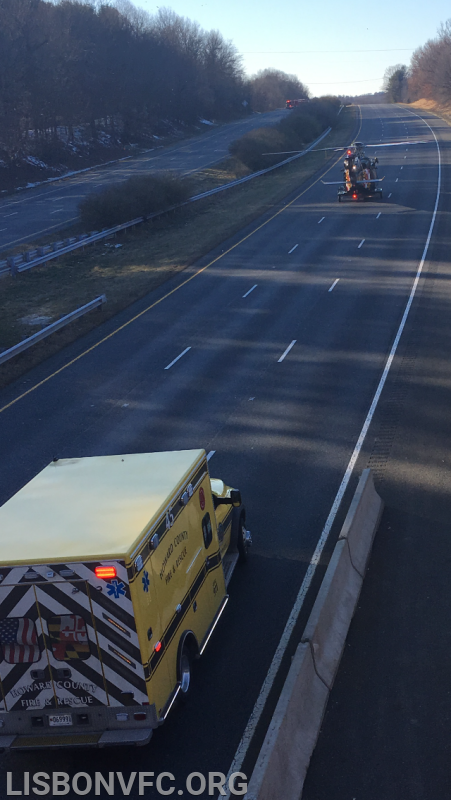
283,334
40,210
387,728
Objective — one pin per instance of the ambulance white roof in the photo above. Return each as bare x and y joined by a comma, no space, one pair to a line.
87,508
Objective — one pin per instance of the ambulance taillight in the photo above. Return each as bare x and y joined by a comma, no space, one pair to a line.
105,572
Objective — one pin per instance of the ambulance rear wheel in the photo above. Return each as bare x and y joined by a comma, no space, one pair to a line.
185,672
242,542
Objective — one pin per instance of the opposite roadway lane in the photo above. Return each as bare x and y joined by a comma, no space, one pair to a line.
38,211
330,280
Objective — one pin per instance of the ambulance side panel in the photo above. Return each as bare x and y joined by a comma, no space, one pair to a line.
180,586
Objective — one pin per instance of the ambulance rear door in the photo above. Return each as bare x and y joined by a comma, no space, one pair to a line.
59,648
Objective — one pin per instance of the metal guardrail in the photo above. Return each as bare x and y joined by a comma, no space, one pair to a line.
33,258
23,262
262,171
49,329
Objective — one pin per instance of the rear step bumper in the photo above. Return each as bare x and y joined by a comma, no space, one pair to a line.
125,737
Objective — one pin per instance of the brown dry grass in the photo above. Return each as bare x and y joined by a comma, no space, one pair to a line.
432,105
147,257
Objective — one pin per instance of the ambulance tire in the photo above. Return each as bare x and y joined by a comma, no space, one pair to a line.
241,543
237,537
185,669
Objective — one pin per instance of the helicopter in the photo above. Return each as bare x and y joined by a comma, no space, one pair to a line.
359,175
359,170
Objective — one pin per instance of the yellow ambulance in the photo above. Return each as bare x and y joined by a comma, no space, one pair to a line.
113,576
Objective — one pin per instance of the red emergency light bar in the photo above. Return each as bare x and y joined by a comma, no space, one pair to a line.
105,572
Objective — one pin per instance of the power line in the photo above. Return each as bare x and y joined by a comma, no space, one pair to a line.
308,52
321,83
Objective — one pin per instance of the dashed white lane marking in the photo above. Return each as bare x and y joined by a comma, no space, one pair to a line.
380,212
176,359
389,195
57,211
316,557
360,244
251,290
334,284
293,248
320,220
12,214
210,454
286,351
397,179
2,230
405,156
400,167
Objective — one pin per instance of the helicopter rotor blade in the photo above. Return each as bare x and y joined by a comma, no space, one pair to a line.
347,147
397,144
316,150
372,180
353,183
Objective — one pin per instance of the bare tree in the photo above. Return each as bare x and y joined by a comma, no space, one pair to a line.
271,88
430,70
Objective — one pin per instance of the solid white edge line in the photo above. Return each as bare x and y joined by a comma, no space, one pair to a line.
286,351
210,454
293,248
360,244
334,284
250,290
295,611
176,359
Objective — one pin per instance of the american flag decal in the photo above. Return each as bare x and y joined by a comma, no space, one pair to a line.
19,640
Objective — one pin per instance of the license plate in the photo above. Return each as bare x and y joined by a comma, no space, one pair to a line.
60,719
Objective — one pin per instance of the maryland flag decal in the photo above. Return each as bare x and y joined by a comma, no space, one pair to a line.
68,637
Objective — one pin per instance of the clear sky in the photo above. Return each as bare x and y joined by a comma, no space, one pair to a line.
279,34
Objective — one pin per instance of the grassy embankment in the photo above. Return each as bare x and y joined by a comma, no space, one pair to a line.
433,106
148,255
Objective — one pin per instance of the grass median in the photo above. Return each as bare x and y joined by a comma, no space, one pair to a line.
128,267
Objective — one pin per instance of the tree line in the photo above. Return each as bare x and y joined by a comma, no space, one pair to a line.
428,75
430,68
109,65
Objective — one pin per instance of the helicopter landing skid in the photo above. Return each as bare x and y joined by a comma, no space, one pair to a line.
354,195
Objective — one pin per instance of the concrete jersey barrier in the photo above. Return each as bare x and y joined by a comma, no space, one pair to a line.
292,734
